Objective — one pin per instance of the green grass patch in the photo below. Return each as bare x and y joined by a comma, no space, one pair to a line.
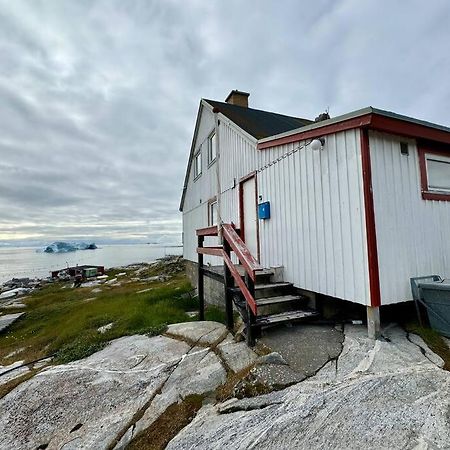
64,322
168,425
215,314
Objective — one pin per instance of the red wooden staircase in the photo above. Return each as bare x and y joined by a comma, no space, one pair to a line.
260,301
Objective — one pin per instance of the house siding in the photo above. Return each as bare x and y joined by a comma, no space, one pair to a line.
237,157
412,233
317,227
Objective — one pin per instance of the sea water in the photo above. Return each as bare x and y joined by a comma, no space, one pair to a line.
20,262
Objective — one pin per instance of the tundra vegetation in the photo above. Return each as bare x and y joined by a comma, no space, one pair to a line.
63,322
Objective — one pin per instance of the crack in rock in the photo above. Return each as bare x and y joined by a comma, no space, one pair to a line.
234,405
426,352
140,413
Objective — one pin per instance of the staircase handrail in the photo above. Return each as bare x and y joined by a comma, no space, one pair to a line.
246,259
241,250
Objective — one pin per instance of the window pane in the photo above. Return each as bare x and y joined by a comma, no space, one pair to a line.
438,174
198,164
213,213
212,147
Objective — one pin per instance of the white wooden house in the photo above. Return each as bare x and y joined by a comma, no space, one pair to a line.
359,203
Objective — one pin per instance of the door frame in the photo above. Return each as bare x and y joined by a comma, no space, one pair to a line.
241,209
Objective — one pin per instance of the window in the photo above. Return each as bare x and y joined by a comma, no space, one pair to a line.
212,212
212,148
198,164
438,171
435,175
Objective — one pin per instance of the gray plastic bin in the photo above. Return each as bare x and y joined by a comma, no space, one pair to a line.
434,293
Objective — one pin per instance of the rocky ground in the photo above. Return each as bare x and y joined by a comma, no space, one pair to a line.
355,393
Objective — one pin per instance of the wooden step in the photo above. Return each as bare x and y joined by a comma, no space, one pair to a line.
265,301
264,275
271,289
264,272
287,316
270,285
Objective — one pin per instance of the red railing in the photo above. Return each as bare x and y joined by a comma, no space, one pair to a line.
210,231
240,249
233,242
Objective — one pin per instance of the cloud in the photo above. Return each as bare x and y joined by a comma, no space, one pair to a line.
99,98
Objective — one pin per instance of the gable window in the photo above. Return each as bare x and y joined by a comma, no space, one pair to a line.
212,148
435,175
212,212
198,164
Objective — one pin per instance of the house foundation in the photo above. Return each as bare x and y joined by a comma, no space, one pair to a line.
373,322
213,289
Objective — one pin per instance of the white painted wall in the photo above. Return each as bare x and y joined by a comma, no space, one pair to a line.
413,235
317,226
237,158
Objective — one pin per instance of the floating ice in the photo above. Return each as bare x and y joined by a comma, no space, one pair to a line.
65,247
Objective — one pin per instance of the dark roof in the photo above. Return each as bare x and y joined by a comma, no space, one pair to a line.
259,124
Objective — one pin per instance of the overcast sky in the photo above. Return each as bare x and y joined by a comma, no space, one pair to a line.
98,98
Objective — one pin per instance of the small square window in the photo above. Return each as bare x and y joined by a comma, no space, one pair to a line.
212,148
404,148
198,164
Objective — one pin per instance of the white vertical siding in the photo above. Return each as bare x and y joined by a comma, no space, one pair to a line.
199,191
413,236
205,187
237,158
317,226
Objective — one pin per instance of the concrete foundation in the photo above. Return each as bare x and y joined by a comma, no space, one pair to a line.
214,290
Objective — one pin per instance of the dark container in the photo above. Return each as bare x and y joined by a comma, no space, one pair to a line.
434,293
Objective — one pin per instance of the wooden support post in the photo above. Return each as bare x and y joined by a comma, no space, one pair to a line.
373,322
228,283
200,281
251,319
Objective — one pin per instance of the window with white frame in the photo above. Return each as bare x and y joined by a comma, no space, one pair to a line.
212,148
212,213
197,164
438,173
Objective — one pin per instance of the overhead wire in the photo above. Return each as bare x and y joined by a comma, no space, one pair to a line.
259,170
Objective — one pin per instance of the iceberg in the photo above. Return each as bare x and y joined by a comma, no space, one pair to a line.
66,247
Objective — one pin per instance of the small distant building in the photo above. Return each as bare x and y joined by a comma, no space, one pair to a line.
350,207
86,271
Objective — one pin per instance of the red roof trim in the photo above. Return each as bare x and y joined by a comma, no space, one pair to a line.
355,122
410,129
373,121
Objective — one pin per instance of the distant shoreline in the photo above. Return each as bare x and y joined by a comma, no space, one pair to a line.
6,246
25,262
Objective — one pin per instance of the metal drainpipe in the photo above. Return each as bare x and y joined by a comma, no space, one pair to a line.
218,155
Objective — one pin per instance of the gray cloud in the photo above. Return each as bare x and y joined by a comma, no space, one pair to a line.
99,98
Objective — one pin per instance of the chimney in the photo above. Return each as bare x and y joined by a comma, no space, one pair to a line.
238,98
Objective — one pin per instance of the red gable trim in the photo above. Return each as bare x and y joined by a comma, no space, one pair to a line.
373,121
409,129
355,122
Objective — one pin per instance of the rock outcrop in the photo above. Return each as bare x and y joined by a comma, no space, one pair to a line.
390,393
104,400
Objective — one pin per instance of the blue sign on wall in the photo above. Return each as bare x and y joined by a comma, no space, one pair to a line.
264,210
